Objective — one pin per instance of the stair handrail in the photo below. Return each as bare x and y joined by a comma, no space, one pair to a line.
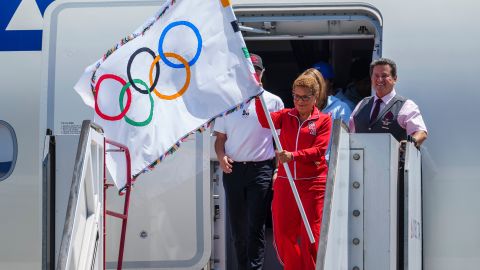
83,144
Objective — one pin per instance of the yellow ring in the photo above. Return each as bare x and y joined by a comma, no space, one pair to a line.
187,79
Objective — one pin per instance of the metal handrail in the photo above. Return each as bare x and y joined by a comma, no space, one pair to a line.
125,191
83,144
328,199
81,157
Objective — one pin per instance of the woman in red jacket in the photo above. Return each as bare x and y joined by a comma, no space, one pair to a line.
304,136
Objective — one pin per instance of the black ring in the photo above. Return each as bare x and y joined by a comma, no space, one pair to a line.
157,71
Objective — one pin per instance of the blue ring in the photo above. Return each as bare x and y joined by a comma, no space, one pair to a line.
162,37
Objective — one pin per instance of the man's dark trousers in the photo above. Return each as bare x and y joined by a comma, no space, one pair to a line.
248,192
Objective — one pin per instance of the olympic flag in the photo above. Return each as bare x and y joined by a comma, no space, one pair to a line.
184,67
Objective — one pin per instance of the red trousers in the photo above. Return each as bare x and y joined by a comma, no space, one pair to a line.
290,237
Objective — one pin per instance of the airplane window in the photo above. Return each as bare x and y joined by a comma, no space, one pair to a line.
8,150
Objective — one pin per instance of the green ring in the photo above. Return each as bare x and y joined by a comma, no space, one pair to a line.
122,94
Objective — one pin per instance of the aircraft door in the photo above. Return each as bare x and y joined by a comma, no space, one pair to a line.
169,225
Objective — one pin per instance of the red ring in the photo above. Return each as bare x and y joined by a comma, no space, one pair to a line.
129,98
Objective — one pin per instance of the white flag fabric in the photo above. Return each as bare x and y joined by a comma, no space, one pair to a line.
172,77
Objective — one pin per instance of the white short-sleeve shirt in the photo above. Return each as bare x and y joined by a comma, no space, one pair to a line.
246,139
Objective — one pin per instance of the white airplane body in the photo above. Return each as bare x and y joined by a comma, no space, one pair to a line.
435,44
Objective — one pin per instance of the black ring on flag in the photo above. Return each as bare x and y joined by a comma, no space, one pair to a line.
129,66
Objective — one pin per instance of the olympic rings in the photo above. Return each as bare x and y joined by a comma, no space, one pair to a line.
162,37
129,66
97,90
187,79
122,94
147,89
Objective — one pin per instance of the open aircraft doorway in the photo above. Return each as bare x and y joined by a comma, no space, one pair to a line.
292,38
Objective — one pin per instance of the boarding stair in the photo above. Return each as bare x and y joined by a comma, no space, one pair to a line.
373,204
82,242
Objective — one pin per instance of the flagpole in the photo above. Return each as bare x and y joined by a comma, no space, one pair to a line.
287,170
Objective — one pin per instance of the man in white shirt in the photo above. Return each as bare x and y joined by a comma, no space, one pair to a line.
246,155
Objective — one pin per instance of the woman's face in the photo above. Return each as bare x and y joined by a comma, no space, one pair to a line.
303,99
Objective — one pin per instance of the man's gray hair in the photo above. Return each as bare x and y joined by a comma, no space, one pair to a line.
384,61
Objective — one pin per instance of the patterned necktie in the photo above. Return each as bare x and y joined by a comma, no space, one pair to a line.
376,110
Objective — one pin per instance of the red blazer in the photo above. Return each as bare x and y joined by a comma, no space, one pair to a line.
308,141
